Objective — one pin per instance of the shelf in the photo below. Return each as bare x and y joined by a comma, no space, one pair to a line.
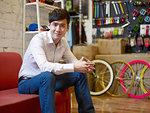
42,5
37,5
31,32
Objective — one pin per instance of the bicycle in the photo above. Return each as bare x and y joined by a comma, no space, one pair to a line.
137,89
103,72
128,78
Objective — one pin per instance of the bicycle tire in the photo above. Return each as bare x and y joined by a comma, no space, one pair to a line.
98,75
145,77
136,91
116,89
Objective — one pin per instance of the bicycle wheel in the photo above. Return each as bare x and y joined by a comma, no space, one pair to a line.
145,79
136,91
128,78
100,70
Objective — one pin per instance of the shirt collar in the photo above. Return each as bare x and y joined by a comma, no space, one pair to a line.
50,38
60,44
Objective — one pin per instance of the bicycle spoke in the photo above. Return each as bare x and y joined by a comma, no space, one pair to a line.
116,89
103,75
137,89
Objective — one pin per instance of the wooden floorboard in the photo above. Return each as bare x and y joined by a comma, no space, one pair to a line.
108,104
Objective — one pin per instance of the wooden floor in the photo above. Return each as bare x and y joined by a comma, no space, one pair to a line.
108,104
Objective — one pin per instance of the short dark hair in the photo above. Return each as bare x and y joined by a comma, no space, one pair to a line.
59,14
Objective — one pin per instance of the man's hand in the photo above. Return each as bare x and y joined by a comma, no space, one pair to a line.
84,65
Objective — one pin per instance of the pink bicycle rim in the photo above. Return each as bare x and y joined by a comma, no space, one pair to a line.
121,79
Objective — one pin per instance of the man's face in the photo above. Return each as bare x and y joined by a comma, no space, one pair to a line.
58,29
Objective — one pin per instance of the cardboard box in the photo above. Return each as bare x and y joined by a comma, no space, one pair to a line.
88,51
125,57
111,46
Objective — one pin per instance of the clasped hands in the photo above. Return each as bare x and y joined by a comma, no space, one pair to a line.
84,65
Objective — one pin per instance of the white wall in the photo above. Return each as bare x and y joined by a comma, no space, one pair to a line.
11,25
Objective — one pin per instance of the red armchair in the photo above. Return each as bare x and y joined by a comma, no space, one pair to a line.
13,102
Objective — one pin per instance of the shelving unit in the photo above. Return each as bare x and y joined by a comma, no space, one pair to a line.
37,5
118,10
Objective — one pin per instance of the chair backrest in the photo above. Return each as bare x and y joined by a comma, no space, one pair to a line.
10,64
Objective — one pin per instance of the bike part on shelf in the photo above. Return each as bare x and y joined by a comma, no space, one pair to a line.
101,9
130,28
146,41
142,12
147,19
95,10
115,31
140,20
111,34
136,28
106,34
128,6
121,7
126,24
136,91
135,13
139,41
122,19
108,8
148,11
139,3
128,78
115,7
103,70
132,42
98,16
147,30
127,10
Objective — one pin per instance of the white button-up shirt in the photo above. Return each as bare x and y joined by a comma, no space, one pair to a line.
42,55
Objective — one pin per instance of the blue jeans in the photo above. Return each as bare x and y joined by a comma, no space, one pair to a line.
46,83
